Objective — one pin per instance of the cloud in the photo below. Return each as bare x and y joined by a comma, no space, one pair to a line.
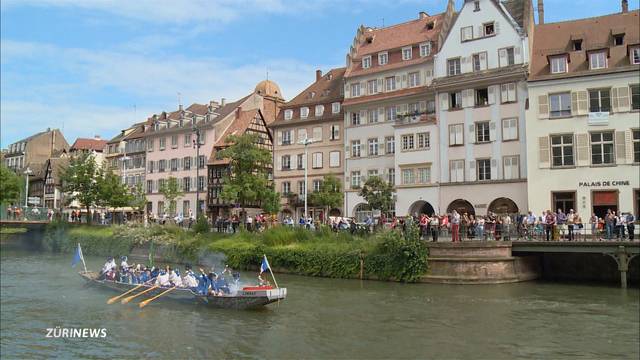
82,92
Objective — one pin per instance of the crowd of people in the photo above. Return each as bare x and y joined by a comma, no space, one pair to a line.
204,283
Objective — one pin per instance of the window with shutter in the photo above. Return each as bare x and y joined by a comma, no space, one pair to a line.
543,106
543,152
621,152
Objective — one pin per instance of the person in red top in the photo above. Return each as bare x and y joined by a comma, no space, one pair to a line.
549,222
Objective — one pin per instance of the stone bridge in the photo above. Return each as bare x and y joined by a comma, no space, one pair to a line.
621,251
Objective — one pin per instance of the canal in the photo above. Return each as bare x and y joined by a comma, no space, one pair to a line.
321,319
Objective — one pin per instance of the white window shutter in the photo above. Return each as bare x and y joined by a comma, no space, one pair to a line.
480,32
381,114
279,137
496,27
363,88
544,153
517,55
492,131
444,101
404,81
363,116
506,168
494,169
614,100
347,91
492,94
452,136
583,102
472,170
582,150
398,81
502,57
621,153
574,103
381,85
624,104
423,106
628,139
543,107
472,133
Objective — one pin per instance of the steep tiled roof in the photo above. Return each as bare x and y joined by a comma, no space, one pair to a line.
596,33
372,41
396,36
519,11
89,144
237,127
198,109
328,88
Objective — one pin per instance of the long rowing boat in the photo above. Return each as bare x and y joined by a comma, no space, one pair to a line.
246,298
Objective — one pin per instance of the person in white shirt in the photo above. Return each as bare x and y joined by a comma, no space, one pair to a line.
163,279
174,279
622,225
109,265
189,279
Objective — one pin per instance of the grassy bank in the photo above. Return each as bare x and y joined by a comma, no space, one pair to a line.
388,255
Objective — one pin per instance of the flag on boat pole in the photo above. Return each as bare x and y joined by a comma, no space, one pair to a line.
264,267
77,257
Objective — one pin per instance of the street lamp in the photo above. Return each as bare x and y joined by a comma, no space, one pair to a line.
196,144
27,172
306,142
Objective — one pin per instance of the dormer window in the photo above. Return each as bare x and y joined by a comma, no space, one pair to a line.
366,62
425,49
489,29
635,55
618,39
430,25
383,58
304,112
577,45
319,110
406,53
312,94
288,114
598,60
558,64
335,108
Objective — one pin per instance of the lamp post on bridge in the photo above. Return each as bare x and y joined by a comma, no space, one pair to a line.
27,173
306,142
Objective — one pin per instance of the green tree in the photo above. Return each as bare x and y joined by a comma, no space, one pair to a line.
171,192
9,185
330,194
378,193
112,192
139,198
81,181
248,181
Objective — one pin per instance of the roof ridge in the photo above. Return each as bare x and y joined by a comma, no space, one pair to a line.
404,23
588,18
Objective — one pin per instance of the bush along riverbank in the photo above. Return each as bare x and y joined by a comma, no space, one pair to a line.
386,255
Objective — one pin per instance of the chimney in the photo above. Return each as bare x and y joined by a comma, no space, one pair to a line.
422,15
541,12
180,107
318,74
223,102
625,6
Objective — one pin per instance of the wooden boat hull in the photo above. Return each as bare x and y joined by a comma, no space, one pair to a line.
240,301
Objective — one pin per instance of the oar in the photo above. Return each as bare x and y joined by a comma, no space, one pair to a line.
129,298
144,303
115,298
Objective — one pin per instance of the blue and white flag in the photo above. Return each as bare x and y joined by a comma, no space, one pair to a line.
265,265
78,257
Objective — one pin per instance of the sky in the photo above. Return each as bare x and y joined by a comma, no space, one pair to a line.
93,67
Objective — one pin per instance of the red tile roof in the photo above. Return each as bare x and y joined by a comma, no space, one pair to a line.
596,33
89,144
373,40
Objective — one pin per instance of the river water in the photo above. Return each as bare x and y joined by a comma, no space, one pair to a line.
321,319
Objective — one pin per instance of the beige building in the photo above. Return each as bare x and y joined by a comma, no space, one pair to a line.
583,126
315,114
34,150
